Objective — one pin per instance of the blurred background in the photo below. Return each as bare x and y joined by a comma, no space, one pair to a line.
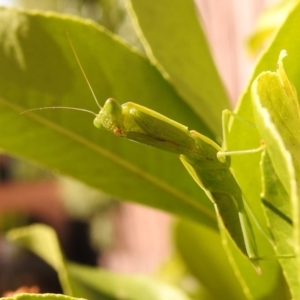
93,228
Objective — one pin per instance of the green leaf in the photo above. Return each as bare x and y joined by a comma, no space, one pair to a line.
207,259
39,69
40,297
245,137
42,240
133,287
275,102
184,58
89,282
211,265
277,115
278,210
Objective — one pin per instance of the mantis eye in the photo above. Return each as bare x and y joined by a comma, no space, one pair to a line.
112,107
97,122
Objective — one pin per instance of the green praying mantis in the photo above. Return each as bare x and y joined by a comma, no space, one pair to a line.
206,161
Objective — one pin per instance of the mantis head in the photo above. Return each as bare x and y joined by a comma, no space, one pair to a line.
111,118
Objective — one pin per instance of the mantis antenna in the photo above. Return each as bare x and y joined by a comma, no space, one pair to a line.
81,68
59,107
86,79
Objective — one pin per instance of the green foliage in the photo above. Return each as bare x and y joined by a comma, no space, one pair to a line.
176,77
277,115
191,64
34,50
88,282
26,296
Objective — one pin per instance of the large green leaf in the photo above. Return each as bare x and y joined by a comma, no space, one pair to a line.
203,253
38,69
277,115
275,101
205,257
133,287
245,137
173,39
279,214
90,282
